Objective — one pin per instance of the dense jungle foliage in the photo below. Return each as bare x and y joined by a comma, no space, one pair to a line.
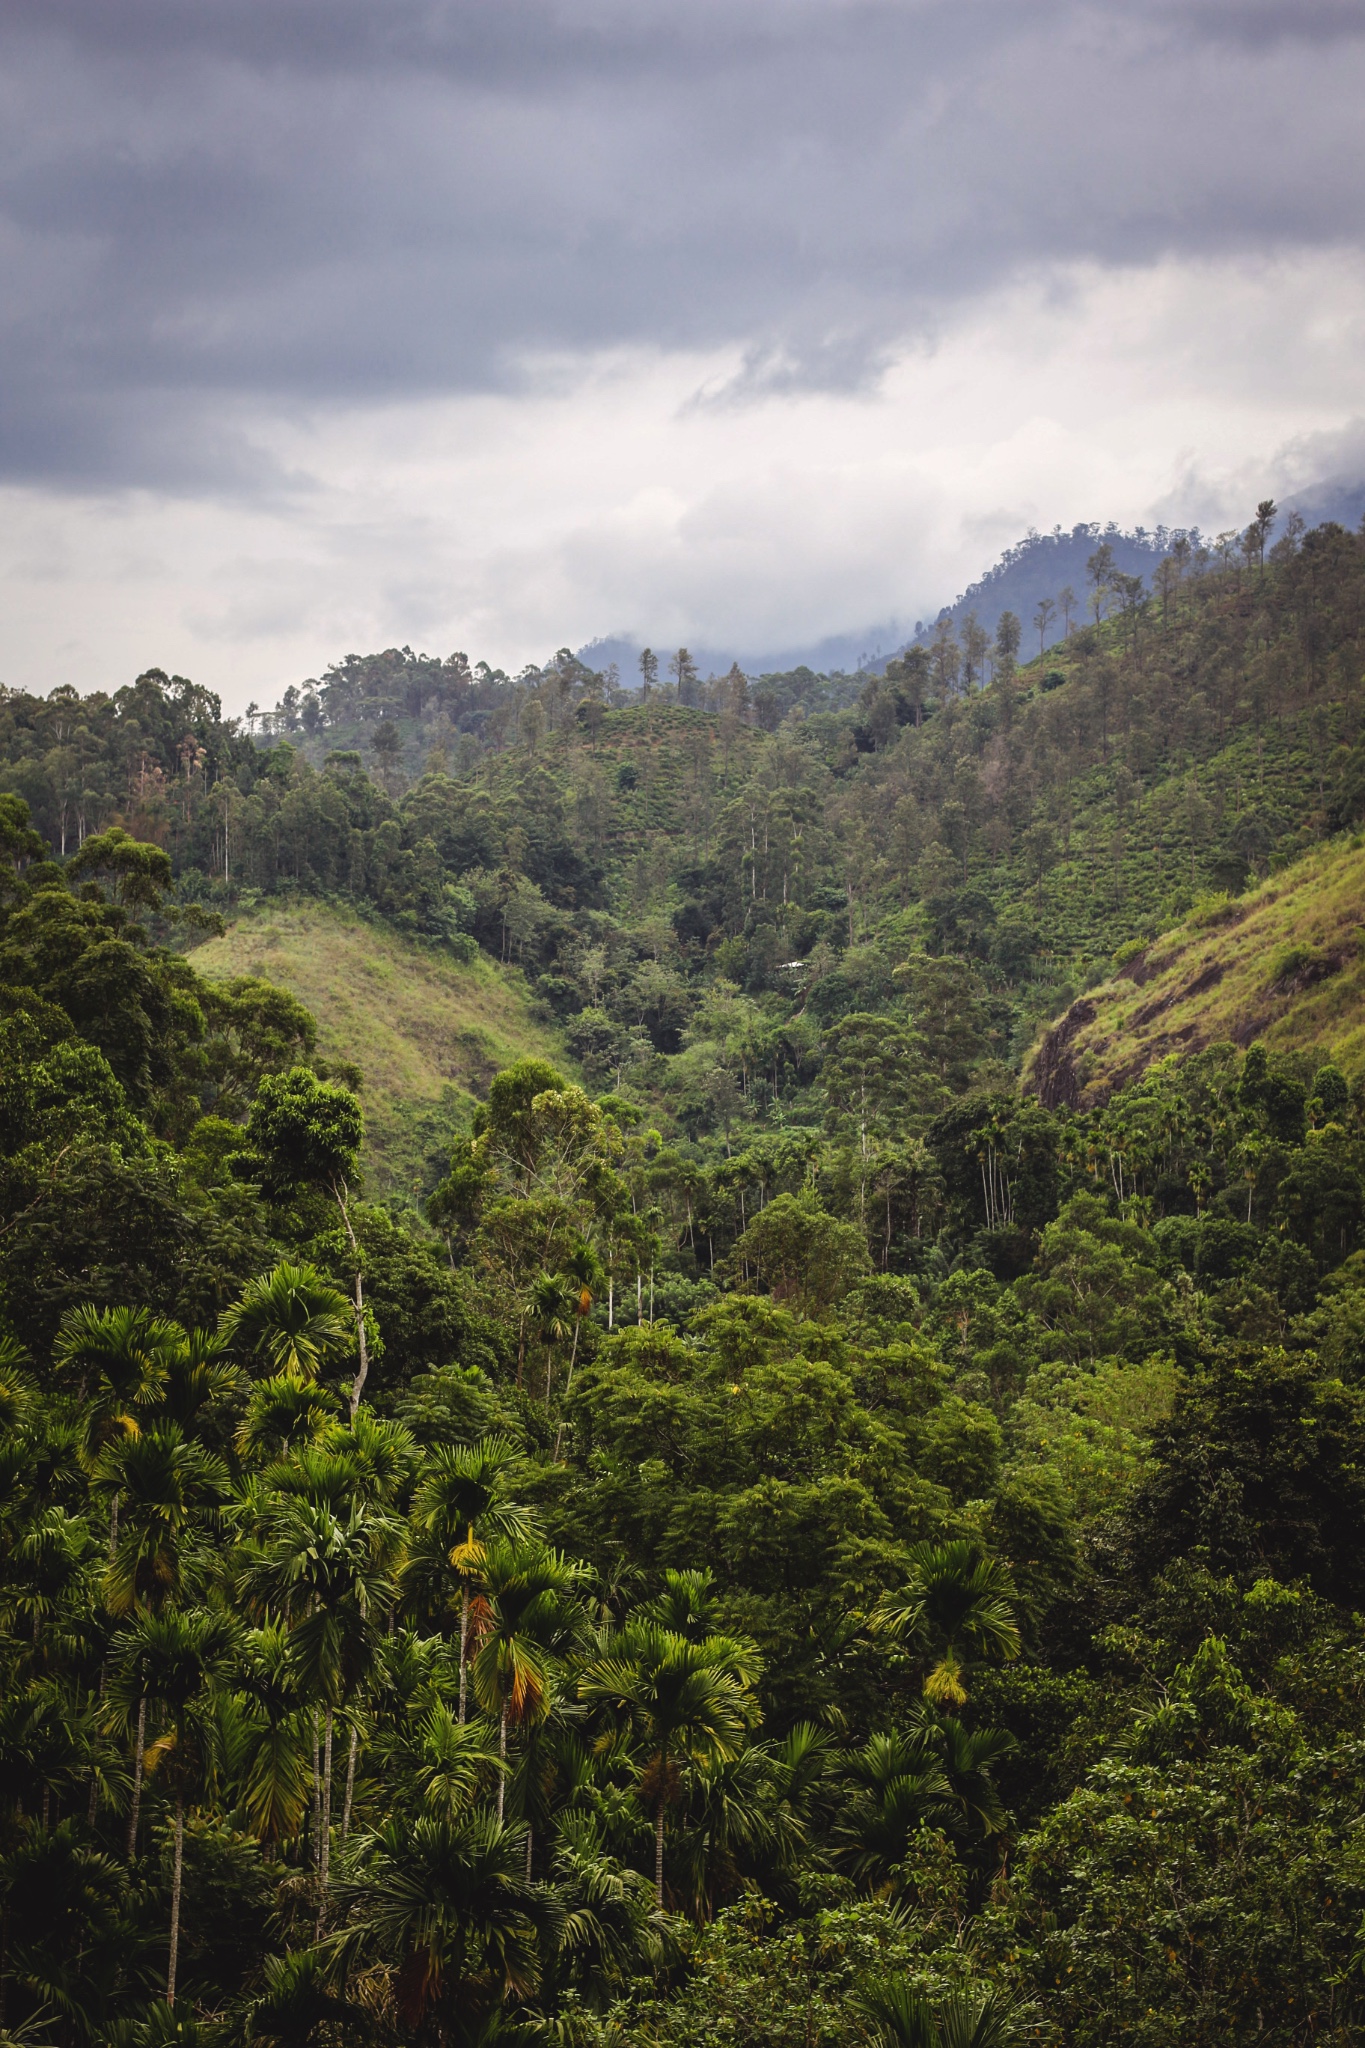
790,1541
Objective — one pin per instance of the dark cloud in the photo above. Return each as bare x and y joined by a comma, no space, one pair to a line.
215,207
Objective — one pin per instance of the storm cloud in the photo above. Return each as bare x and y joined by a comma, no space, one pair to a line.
511,322
209,205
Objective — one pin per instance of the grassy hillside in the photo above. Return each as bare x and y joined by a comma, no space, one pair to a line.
427,1032
1282,963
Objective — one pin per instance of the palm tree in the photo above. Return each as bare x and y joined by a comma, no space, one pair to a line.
460,1505
445,1902
283,1412
554,1309
197,1373
172,1659
323,1570
49,1561
455,1762
607,1912
689,1699
275,1789
381,1457
966,1759
898,1787
533,1619
299,1999
119,1359
961,1603
167,1485
16,1384
974,2018
686,1605
291,1319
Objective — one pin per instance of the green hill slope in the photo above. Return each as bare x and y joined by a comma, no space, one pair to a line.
427,1032
1282,964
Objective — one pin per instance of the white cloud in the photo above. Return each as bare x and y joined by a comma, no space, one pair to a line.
599,497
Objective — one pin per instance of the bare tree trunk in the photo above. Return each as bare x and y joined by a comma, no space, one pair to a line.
568,1389
325,1838
136,1805
317,1790
176,1881
464,1649
358,1384
362,1348
350,1782
502,1760
659,1848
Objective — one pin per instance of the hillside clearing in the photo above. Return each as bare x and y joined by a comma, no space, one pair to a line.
1282,964
427,1032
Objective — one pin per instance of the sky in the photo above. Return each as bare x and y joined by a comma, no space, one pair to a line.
327,325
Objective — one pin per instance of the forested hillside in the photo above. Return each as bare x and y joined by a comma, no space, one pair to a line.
772,1533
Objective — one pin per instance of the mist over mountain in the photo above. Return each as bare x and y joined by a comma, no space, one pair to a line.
1038,570
1037,567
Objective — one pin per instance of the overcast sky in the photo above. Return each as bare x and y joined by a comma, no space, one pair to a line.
498,324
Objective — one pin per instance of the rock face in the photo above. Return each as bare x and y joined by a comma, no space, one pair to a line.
1054,1079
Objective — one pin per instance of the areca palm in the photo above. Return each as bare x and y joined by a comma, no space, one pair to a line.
607,1911
275,1789
197,1373
554,1310
324,1572
291,1319
533,1618
119,1361
380,1456
455,1762
16,1386
300,1998
686,1605
902,2018
66,1933
445,1903
49,1563
687,1699
583,1275
172,1659
966,1758
167,1486
460,1505
732,1825
899,1786
283,1412
961,1604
